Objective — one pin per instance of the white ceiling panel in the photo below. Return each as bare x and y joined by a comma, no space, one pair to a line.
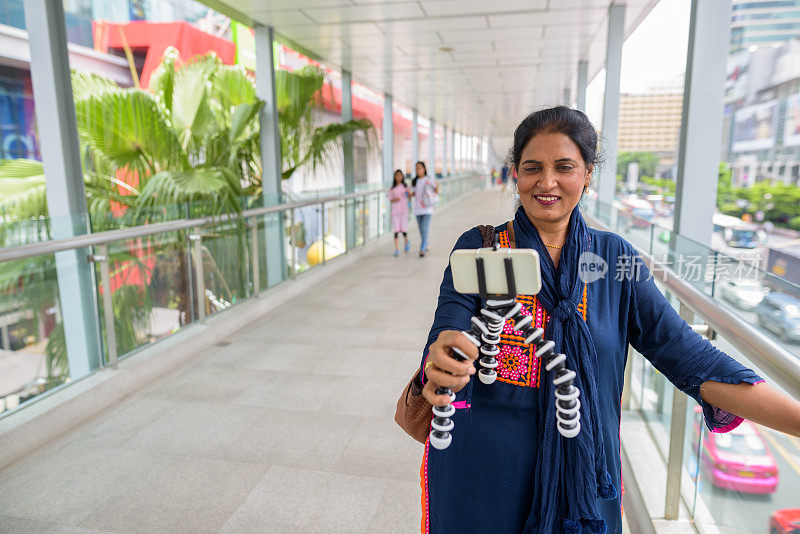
256,6
446,8
309,30
372,12
533,33
475,65
435,24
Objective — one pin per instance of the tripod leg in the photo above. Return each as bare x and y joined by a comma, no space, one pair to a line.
567,402
442,425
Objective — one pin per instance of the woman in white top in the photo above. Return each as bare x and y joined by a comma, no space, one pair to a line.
425,191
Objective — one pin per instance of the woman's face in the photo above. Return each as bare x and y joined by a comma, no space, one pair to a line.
398,178
551,177
420,169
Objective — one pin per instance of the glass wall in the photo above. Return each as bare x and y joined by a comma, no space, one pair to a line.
734,481
153,151
424,127
32,351
438,164
403,118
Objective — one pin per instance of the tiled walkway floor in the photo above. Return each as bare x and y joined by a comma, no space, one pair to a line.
286,427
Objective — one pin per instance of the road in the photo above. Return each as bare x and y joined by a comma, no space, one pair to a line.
734,511
743,512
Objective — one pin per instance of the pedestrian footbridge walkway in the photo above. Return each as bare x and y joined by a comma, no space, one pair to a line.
285,426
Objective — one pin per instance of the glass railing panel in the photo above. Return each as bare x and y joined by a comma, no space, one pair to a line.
304,234
359,208
153,280
226,269
335,229
150,281
33,353
744,476
374,203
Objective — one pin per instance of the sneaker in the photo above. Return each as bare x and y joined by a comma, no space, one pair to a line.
421,253
408,247
396,253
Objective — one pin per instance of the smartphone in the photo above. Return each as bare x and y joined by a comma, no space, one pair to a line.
525,265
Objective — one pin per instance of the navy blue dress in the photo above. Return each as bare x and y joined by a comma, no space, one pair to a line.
483,482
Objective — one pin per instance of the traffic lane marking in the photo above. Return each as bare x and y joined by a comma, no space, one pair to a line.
781,450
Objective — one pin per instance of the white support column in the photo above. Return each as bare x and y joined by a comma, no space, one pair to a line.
432,148
456,152
347,145
388,139
66,198
583,75
453,151
473,151
272,169
414,142
608,171
700,137
347,153
464,153
444,151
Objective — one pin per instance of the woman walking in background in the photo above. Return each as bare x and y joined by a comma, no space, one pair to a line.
399,195
426,195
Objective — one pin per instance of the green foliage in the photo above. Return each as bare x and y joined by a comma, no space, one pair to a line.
22,188
778,201
665,186
132,307
648,162
794,223
189,145
55,353
724,187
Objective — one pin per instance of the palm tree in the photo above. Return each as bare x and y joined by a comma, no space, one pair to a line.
188,146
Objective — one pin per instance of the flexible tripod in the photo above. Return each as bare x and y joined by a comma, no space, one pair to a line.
484,333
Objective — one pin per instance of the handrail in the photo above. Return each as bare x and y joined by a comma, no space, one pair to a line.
110,236
782,366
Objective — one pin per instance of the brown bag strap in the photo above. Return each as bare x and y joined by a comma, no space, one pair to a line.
487,233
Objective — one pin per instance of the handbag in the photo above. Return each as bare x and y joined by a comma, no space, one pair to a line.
413,412
429,196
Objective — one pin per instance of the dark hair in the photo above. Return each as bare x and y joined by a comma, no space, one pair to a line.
402,178
560,119
424,169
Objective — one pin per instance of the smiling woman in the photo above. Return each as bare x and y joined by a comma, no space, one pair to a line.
507,469
555,151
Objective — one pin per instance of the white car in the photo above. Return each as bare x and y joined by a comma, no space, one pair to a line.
744,294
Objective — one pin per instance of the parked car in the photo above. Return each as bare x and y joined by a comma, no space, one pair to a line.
636,212
738,460
780,313
786,521
744,294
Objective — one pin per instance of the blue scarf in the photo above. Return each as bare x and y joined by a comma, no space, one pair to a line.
570,472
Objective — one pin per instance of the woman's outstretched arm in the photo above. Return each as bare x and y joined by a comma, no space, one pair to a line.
759,403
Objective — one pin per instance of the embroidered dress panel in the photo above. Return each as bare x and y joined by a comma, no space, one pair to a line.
517,362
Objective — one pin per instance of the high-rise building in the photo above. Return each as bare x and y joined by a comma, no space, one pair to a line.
757,23
650,121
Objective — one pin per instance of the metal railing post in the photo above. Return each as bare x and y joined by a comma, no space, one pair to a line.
254,264
199,277
292,244
322,230
677,435
108,303
364,220
626,384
